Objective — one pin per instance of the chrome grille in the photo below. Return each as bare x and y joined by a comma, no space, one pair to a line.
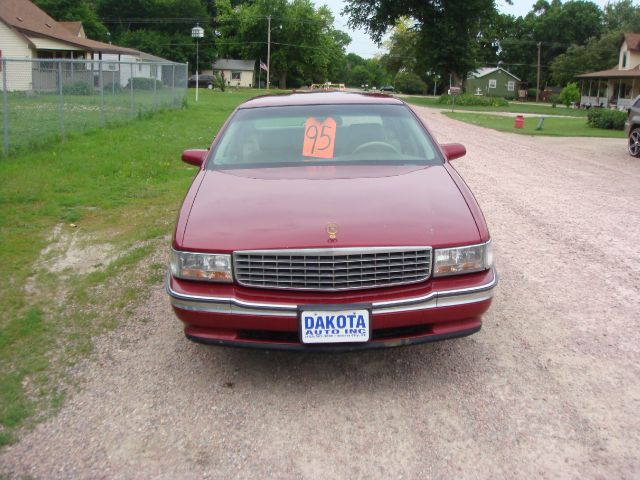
332,268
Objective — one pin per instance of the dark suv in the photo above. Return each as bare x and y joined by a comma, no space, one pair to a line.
632,128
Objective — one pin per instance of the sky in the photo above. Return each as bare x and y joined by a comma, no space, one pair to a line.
365,47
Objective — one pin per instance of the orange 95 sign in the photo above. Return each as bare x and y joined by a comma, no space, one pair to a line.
319,138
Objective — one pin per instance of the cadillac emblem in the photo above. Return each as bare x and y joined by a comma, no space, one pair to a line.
332,230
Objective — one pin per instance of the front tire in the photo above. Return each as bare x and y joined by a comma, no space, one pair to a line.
634,142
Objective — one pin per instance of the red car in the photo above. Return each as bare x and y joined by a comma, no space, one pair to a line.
328,221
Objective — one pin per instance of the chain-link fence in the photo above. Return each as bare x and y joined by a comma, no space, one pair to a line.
45,99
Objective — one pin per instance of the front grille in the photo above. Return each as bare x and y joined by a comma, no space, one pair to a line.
332,268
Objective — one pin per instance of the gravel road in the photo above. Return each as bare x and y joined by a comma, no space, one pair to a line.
550,388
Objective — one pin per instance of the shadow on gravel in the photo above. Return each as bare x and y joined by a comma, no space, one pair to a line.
456,360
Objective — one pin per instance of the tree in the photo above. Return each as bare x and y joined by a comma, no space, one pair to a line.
556,26
598,54
75,10
447,30
622,15
409,82
304,44
149,25
401,49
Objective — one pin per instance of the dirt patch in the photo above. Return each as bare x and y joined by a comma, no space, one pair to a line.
71,249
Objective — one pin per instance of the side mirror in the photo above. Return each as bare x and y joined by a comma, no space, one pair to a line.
453,150
194,157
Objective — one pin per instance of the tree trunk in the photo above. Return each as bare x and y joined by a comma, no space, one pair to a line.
283,80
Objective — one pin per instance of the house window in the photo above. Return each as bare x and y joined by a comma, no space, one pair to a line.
139,67
154,71
511,86
492,83
624,60
235,75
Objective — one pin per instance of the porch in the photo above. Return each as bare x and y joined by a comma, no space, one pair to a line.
614,89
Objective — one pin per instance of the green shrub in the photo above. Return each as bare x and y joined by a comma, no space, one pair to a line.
554,99
408,82
77,88
531,93
466,100
607,119
218,81
295,82
112,87
144,83
570,94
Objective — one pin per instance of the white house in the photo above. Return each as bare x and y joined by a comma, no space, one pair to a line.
236,73
28,33
618,86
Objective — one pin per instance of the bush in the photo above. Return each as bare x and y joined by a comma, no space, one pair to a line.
77,88
554,99
466,100
144,83
112,87
570,94
531,93
408,82
295,82
607,119
218,81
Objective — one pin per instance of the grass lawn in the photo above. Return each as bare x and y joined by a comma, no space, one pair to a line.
553,126
513,107
35,121
118,189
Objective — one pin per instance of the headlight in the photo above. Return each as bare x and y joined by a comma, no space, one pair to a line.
454,261
201,266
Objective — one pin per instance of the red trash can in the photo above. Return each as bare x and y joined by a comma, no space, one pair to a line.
519,121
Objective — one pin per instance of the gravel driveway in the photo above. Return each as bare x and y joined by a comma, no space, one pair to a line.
549,388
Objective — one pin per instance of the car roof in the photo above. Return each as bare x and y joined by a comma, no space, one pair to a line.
320,98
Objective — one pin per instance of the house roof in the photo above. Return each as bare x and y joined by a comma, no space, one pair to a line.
229,64
482,72
633,41
31,21
152,58
74,27
613,73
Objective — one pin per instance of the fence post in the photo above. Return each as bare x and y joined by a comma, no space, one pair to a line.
173,83
155,87
131,89
5,107
101,83
61,99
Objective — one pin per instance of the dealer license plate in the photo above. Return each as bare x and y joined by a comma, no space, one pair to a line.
326,325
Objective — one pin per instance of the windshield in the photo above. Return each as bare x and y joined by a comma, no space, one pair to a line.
321,135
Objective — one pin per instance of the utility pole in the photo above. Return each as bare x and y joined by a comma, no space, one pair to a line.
268,48
538,81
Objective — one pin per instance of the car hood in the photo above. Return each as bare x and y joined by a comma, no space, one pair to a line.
291,207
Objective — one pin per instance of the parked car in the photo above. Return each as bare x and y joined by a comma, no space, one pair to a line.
632,128
328,221
204,81
387,88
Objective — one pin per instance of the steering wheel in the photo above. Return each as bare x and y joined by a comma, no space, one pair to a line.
376,146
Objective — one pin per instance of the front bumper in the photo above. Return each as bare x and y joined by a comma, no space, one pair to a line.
244,317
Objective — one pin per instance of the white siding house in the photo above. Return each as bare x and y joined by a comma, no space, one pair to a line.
12,44
618,86
236,73
28,33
